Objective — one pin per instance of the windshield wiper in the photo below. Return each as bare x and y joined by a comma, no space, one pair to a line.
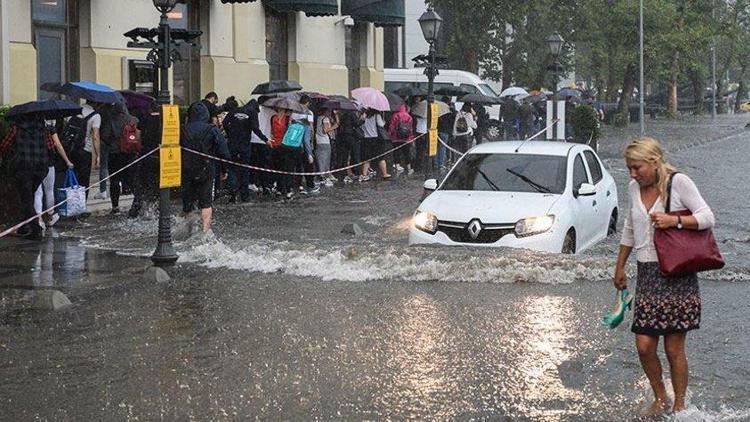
487,179
533,184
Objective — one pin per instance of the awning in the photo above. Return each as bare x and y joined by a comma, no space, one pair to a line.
310,7
379,12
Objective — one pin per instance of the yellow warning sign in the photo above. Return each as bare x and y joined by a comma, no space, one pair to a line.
433,142
170,159
170,135
434,117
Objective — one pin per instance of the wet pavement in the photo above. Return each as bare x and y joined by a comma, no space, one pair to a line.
282,316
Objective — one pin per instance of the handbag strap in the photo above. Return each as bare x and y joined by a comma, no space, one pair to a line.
668,204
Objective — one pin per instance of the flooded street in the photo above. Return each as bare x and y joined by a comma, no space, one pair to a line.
282,316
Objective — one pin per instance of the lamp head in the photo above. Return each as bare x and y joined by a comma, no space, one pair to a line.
430,22
165,6
555,42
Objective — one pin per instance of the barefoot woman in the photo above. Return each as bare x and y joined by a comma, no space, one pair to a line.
668,307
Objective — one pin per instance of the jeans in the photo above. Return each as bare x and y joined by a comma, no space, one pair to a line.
348,152
323,157
442,155
239,177
103,167
260,156
118,161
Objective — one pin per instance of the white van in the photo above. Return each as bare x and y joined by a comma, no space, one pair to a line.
397,78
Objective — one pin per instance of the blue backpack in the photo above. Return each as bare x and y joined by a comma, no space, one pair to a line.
294,135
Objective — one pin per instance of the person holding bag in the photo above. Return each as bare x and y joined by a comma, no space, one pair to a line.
667,306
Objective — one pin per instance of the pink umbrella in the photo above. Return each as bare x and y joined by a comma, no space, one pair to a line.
371,98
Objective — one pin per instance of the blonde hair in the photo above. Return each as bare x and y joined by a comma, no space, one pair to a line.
650,150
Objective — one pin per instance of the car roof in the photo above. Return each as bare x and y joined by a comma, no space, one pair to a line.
530,147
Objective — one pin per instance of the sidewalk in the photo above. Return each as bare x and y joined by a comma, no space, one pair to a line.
673,134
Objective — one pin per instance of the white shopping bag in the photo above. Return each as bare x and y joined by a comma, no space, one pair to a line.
74,194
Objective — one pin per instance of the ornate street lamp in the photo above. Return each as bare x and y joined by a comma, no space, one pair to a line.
555,43
431,23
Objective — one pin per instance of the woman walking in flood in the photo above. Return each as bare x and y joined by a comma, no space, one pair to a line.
664,307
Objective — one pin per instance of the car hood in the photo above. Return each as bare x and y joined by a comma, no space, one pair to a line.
488,206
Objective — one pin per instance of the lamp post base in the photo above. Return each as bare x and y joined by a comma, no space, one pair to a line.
164,255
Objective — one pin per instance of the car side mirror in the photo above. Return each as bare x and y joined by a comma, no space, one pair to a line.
430,184
586,189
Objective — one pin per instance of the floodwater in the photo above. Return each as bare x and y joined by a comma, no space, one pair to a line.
282,316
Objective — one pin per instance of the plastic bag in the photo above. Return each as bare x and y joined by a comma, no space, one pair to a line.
74,194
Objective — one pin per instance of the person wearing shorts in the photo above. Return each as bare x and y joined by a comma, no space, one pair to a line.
372,145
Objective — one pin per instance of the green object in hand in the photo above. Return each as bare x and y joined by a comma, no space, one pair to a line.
623,302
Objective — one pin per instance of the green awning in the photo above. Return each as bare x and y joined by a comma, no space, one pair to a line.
310,7
379,12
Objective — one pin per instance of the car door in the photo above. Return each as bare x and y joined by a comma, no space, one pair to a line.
583,206
601,213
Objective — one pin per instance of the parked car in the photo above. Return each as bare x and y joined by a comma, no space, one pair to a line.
540,195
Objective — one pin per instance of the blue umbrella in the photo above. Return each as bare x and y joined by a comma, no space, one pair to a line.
48,110
91,91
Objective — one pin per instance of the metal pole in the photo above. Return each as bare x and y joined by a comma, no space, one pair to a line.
164,255
428,167
554,99
713,65
641,89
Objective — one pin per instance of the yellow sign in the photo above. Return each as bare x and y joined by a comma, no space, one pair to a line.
435,115
170,135
433,147
170,159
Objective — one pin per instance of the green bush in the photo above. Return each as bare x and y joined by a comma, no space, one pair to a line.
4,125
585,124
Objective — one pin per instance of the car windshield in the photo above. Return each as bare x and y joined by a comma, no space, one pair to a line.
508,173
487,90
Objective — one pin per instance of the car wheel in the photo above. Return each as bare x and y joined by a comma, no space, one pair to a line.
569,244
612,227
494,131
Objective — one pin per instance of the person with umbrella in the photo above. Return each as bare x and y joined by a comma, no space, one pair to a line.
81,136
420,129
348,143
527,116
401,129
372,145
463,128
240,125
115,117
509,111
445,130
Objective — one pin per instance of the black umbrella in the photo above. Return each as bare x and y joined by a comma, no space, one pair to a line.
452,91
273,87
393,100
410,91
568,92
340,104
48,110
480,99
286,104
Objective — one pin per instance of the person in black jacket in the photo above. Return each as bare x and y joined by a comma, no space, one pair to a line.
348,143
239,126
198,172
114,119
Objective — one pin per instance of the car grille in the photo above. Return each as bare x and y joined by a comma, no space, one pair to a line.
490,233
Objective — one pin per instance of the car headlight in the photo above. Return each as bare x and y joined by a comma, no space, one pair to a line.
426,221
534,225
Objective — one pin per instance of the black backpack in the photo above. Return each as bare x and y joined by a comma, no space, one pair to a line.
196,166
462,125
403,129
74,135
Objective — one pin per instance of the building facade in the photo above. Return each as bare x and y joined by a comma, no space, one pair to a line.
329,46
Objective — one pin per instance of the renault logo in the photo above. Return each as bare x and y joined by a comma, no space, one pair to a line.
474,228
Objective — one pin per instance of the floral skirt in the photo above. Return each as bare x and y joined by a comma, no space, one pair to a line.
665,305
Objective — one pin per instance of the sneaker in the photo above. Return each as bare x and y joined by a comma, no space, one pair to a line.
371,173
333,178
328,184
115,210
410,172
53,219
348,180
289,195
314,190
399,170
41,224
253,188
101,195
301,189
364,178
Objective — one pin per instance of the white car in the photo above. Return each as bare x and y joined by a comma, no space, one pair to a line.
541,195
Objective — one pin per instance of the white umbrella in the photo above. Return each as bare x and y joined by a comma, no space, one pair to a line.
513,91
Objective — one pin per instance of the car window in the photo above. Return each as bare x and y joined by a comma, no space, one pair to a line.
471,89
594,167
579,172
436,85
487,90
393,86
506,172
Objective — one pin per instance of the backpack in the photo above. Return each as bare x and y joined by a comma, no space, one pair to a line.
462,125
294,135
74,135
130,142
403,130
194,165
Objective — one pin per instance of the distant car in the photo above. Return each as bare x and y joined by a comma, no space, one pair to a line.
540,195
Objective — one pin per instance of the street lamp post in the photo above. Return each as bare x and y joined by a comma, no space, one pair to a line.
431,23
555,42
164,255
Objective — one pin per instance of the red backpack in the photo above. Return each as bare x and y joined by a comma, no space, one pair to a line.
130,142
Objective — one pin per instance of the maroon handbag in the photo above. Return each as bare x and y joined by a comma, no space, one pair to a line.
685,251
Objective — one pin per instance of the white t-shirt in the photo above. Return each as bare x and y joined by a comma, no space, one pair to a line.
264,124
421,126
370,126
93,123
320,135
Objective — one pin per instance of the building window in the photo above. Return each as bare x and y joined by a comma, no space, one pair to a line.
55,29
355,36
277,44
390,47
143,77
186,72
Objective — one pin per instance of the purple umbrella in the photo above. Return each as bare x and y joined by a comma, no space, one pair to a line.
138,100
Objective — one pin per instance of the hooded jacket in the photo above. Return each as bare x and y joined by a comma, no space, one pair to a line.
401,116
199,128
